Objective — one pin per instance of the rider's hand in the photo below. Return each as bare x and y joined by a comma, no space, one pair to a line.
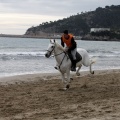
66,49
69,50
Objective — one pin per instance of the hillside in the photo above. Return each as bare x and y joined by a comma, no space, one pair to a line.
80,24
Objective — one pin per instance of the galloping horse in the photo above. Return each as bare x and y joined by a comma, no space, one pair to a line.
64,63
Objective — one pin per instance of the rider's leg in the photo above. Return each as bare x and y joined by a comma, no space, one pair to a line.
73,53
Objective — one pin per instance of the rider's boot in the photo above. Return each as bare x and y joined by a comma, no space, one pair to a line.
73,68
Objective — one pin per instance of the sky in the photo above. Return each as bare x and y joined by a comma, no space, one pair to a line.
16,16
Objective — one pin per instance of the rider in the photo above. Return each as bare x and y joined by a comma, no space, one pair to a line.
71,47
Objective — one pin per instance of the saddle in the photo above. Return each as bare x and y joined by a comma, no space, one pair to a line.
78,57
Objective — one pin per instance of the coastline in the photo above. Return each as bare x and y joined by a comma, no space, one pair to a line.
34,36
55,37
25,36
39,97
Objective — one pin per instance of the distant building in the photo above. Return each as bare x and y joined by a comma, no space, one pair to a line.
99,29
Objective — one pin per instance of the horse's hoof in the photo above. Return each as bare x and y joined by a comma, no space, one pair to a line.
84,86
78,74
67,86
93,72
62,89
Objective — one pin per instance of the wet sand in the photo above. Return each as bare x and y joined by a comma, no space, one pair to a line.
39,97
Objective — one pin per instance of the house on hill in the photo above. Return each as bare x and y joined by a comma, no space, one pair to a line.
99,29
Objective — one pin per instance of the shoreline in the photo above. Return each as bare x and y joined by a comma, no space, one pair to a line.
39,97
52,37
22,77
29,36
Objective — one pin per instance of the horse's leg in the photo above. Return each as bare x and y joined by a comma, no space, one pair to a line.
92,72
77,72
64,81
63,77
68,79
56,66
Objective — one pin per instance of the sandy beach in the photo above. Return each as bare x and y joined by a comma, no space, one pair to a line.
39,97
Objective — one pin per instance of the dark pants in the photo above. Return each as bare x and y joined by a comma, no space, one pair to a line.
73,67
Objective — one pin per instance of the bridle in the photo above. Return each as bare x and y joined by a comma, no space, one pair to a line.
51,50
57,55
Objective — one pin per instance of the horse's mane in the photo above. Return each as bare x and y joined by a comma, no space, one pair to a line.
59,46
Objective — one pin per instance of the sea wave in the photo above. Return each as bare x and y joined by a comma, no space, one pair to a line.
41,53
36,54
103,51
105,56
21,55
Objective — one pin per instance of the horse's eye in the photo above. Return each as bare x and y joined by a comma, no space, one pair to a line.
52,47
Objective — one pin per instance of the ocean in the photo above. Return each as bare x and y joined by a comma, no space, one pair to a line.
26,55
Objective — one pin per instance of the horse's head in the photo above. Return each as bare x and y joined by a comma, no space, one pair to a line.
50,49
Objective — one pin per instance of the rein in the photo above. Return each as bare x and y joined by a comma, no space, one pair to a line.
51,50
62,59
57,55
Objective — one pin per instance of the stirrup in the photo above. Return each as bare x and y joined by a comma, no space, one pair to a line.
73,69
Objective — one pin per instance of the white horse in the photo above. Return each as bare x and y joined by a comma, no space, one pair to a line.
64,63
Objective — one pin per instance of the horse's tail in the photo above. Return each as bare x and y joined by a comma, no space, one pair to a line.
92,61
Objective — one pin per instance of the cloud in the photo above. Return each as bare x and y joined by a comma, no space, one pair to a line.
19,23
54,7
22,14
